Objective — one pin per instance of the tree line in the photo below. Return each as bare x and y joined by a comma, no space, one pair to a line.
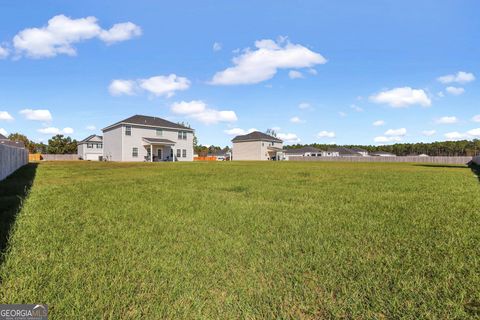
439,148
58,144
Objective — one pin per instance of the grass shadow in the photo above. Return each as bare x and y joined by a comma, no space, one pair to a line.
13,190
475,169
435,165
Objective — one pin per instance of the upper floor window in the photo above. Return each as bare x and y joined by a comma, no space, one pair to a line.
128,130
99,145
159,132
89,145
134,152
182,135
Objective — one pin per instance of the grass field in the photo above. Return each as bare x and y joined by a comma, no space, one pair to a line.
245,240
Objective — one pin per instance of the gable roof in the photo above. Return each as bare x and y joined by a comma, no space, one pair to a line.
2,137
302,150
344,151
256,136
358,149
90,137
150,122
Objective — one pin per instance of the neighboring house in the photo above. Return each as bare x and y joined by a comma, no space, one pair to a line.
220,155
139,137
256,146
360,151
6,141
382,154
340,152
91,148
302,152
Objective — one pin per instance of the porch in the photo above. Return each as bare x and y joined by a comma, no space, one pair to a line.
158,149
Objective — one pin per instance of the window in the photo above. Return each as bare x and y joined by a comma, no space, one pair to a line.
134,152
182,135
99,145
184,153
128,130
89,145
273,143
179,153
159,132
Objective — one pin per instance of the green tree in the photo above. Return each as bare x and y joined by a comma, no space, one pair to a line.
61,145
30,145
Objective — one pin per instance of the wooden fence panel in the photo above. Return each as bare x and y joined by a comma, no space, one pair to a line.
11,158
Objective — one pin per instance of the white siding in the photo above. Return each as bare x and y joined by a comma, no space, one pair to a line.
253,150
112,144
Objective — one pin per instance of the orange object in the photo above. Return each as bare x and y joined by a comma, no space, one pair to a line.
205,159
34,157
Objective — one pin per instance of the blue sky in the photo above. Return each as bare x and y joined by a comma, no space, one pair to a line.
316,71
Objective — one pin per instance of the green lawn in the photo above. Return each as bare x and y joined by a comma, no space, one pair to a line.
247,240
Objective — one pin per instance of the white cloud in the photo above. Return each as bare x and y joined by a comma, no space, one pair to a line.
91,127
312,71
396,132
294,74
476,118
356,108
198,110
55,131
217,46
4,115
120,32
471,134
447,120
296,120
239,131
402,97
440,94
120,87
326,134
4,52
288,137
459,77
262,63
455,135
342,114
164,85
378,123
3,132
304,105
456,91
428,133
383,139
62,32
38,115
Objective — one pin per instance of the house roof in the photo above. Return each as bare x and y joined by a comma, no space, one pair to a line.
90,137
302,150
256,136
2,137
7,142
358,150
383,153
149,121
344,151
158,141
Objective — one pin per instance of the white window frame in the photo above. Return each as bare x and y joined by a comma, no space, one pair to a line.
134,152
128,130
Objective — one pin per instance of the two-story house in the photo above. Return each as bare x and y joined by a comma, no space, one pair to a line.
90,148
256,146
144,138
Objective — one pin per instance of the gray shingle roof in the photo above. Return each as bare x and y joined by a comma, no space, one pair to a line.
150,121
158,140
2,137
302,150
256,136
344,151
87,139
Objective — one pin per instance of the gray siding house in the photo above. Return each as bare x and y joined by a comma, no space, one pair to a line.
256,146
145,138
91,148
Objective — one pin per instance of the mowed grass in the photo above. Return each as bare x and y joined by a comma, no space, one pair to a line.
246,240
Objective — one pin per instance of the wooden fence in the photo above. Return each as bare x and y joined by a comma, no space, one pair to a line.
11,158
476,160
59,157
205,159
439,160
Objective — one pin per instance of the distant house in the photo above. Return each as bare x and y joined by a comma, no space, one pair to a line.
220,155
256,146
145,138
341,152
360,151
91,148
6,141
382,154
302,152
